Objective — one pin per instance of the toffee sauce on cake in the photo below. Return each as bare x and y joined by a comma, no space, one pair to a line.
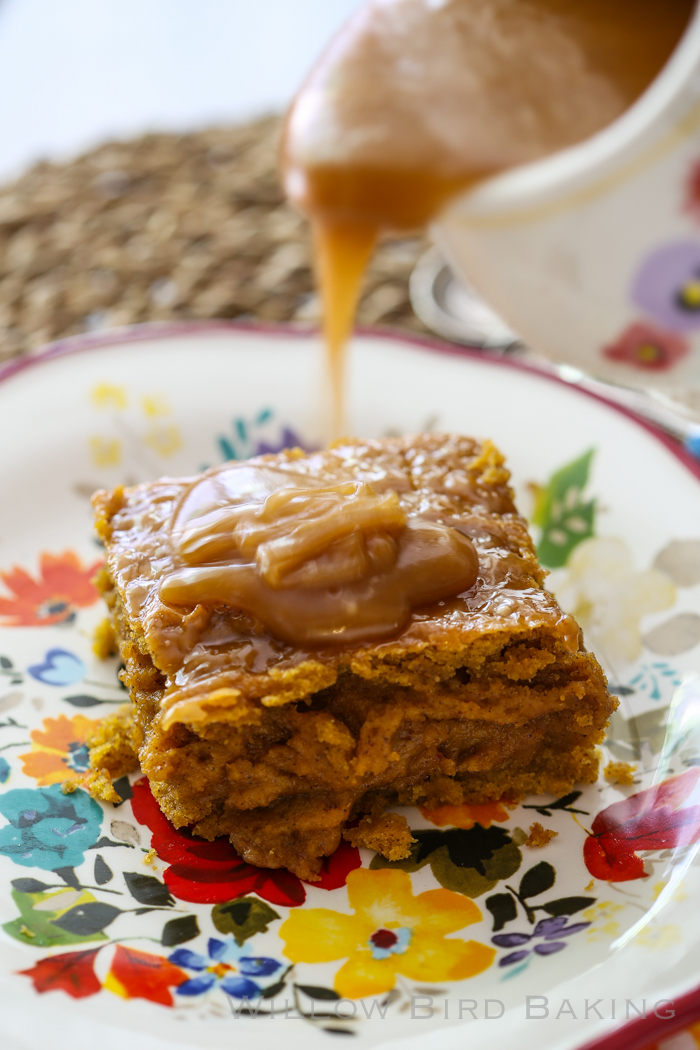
415,101
316,563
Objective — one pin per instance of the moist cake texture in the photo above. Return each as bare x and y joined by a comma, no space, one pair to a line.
279,744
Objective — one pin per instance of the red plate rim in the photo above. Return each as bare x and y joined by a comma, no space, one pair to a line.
633,1034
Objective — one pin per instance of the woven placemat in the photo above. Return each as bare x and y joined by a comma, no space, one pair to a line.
168,227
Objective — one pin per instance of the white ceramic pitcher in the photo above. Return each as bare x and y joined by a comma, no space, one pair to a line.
593,255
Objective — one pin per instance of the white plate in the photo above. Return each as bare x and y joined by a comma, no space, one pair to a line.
131,406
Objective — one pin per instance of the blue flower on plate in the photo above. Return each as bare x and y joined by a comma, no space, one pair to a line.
59,668
48,829
4,770
78,757
227,966
549,930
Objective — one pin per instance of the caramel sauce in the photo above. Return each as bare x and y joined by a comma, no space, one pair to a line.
341,288
315,563
417,100
212,654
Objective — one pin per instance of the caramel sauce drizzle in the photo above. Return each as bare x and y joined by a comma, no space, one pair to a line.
416,101
315,563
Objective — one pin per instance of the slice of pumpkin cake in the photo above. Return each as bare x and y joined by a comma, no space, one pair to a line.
309,638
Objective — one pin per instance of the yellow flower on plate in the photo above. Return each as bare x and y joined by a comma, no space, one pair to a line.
391,932
108,395
658,890
105,452
658,938
164,440
154,405
602,910
602,914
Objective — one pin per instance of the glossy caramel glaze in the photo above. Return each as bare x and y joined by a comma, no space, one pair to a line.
316,564
213,655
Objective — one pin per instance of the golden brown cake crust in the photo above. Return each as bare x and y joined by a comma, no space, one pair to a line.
486,695
211,657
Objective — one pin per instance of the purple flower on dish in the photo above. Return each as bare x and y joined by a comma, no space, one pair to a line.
288,439
549,932
667,286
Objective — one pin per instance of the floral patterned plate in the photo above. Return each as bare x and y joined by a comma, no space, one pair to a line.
118,931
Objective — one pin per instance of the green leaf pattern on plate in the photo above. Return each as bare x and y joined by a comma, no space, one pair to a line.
561,512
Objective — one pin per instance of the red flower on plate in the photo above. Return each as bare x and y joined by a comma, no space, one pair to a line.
138,975
64,585
212,872
645,346
650,820
71,972
692,191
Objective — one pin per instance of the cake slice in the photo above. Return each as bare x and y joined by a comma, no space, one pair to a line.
309,638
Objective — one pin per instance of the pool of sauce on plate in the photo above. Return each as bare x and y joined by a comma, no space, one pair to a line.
416,101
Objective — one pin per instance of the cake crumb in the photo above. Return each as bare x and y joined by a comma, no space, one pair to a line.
620,773
104,644
150,857
99,784
389,835
112,743
590,886
69,786
539,836
26,932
